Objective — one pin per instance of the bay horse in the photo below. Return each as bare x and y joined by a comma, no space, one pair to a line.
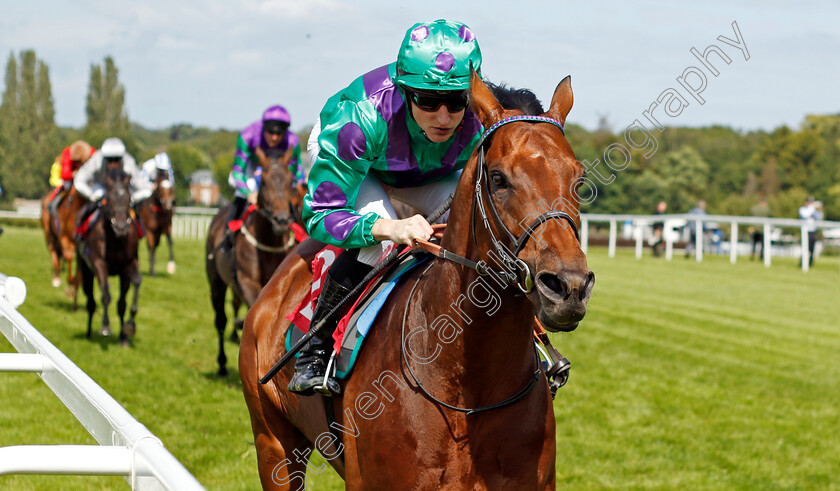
447,392
109,249
156,217
257,250
58,233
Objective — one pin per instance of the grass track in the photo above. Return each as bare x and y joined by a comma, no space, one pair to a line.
686,376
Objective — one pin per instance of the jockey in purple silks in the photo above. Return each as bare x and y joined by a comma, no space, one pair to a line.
402,131
271,134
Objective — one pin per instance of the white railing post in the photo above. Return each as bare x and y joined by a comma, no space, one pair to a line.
639,230
584,234
733,243
805,253
698,240
669,244
767,246
613,234
127,447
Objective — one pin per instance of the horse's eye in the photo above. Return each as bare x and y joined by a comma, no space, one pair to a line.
499,179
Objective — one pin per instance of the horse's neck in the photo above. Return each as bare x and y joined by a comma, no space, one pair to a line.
483,331
496,341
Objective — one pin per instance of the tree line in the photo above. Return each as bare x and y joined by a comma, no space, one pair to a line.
731,170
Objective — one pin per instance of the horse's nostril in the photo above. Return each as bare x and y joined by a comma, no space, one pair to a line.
554,283
586,290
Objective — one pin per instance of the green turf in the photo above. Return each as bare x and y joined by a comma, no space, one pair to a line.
685,376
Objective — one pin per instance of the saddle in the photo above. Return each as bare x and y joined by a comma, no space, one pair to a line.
350,334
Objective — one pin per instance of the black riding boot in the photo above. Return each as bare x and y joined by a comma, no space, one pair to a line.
311,367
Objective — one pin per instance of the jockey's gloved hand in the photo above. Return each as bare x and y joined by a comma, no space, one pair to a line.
97,194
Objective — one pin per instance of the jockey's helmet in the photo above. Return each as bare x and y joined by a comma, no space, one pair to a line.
276,120
80,151
113,148
162,161
437,56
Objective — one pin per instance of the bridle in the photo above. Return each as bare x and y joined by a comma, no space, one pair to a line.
509,258
516,271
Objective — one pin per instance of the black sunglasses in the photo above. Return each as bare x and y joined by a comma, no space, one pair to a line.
276,128
112,160
431,102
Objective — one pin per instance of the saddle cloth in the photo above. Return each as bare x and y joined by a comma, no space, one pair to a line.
83,228
350,334
236,225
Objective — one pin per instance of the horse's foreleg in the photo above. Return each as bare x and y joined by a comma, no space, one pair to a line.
102,274
68,249
87,286
218,289
170,266
135,279
56,265
124,284
151,241
237,322
282,450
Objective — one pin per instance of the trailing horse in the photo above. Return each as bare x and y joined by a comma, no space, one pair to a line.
58,232
110,248
447,392
244,260
156,217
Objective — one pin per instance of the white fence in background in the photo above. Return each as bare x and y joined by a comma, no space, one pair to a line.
193,222
640,226
187,223
126,447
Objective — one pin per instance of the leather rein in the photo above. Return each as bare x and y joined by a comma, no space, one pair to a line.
509,257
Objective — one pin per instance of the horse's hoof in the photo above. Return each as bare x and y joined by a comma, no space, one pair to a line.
105,331
125,343
223,372
170,267
56,282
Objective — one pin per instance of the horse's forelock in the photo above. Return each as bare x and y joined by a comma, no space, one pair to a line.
521,99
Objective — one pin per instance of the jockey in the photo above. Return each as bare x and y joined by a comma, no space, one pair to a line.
63,169
271,134
90,178
401,131
159,164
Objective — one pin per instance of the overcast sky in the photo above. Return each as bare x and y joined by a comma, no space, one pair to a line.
219,63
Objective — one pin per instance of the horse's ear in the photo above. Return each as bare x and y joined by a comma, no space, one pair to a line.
562,100
287,157
262,157
483,102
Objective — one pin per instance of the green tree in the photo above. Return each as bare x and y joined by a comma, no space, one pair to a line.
27,127
105,108
185,160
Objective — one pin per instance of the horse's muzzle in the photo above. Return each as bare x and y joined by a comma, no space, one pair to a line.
121,227
562,298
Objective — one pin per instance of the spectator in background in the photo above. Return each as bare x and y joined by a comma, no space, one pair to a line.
811,211
700,209
760,210
658,228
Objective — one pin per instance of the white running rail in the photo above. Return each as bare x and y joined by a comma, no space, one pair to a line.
126,447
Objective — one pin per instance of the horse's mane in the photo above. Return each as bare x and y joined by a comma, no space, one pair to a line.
511,98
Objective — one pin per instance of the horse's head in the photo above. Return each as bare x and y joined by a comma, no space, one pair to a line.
164,192
278,197
528,191
116,207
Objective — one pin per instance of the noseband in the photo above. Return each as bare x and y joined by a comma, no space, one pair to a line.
517,271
